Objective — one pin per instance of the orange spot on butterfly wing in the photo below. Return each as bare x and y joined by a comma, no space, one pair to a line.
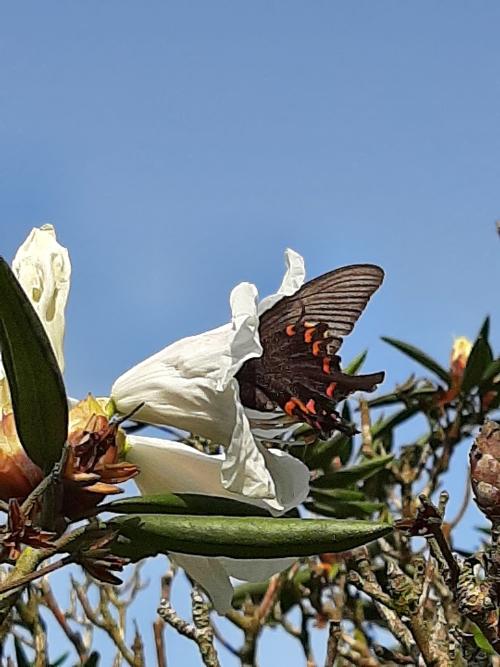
326,365
290,330
316,348
292,404
311,406
309,334
330,390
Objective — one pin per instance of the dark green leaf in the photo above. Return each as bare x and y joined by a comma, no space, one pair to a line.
385,426
490,373
321,453
35,381
59,661
480,359
357,509
484,331
337,494
396,397
93,660
349,476
182,503
419,356
245,537
354,366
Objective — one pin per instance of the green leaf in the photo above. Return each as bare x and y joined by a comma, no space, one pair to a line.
484,331
338,494
479,360
419,356
60,661
380,428
491,371
481,641
35,381
354,366
349,476
182,503
244,537
358,509
396,397
321,453
93,659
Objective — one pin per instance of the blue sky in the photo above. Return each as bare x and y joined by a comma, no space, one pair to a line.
179,148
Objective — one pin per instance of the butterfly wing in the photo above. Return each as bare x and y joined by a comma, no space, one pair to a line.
300,335
336,299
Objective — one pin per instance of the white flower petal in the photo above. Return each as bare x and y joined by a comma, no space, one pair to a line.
191,385
172,467
43,268
244,468
292,281
178,387
255,569
213,574
245,342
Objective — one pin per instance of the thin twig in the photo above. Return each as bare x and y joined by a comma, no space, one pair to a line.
333,641
50,602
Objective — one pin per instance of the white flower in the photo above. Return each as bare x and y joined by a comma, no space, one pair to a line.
190,385
43,268
167,466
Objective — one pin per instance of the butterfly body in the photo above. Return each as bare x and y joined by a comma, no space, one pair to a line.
299,370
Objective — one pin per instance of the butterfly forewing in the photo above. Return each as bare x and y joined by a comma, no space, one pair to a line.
337,298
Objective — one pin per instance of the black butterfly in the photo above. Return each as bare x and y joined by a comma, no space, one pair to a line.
299,370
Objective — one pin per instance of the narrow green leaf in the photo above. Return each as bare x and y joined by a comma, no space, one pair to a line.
354,366
396,397
479,360
484,331
35,381
338,494
93,659
357,509
481,641
349,476
182,503
491,371
244,537
382,427
59,661
419,356
320,454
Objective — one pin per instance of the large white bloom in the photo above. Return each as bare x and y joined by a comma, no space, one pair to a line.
43,269
191,385
172,467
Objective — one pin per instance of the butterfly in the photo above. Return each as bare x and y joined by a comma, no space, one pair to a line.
299,370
